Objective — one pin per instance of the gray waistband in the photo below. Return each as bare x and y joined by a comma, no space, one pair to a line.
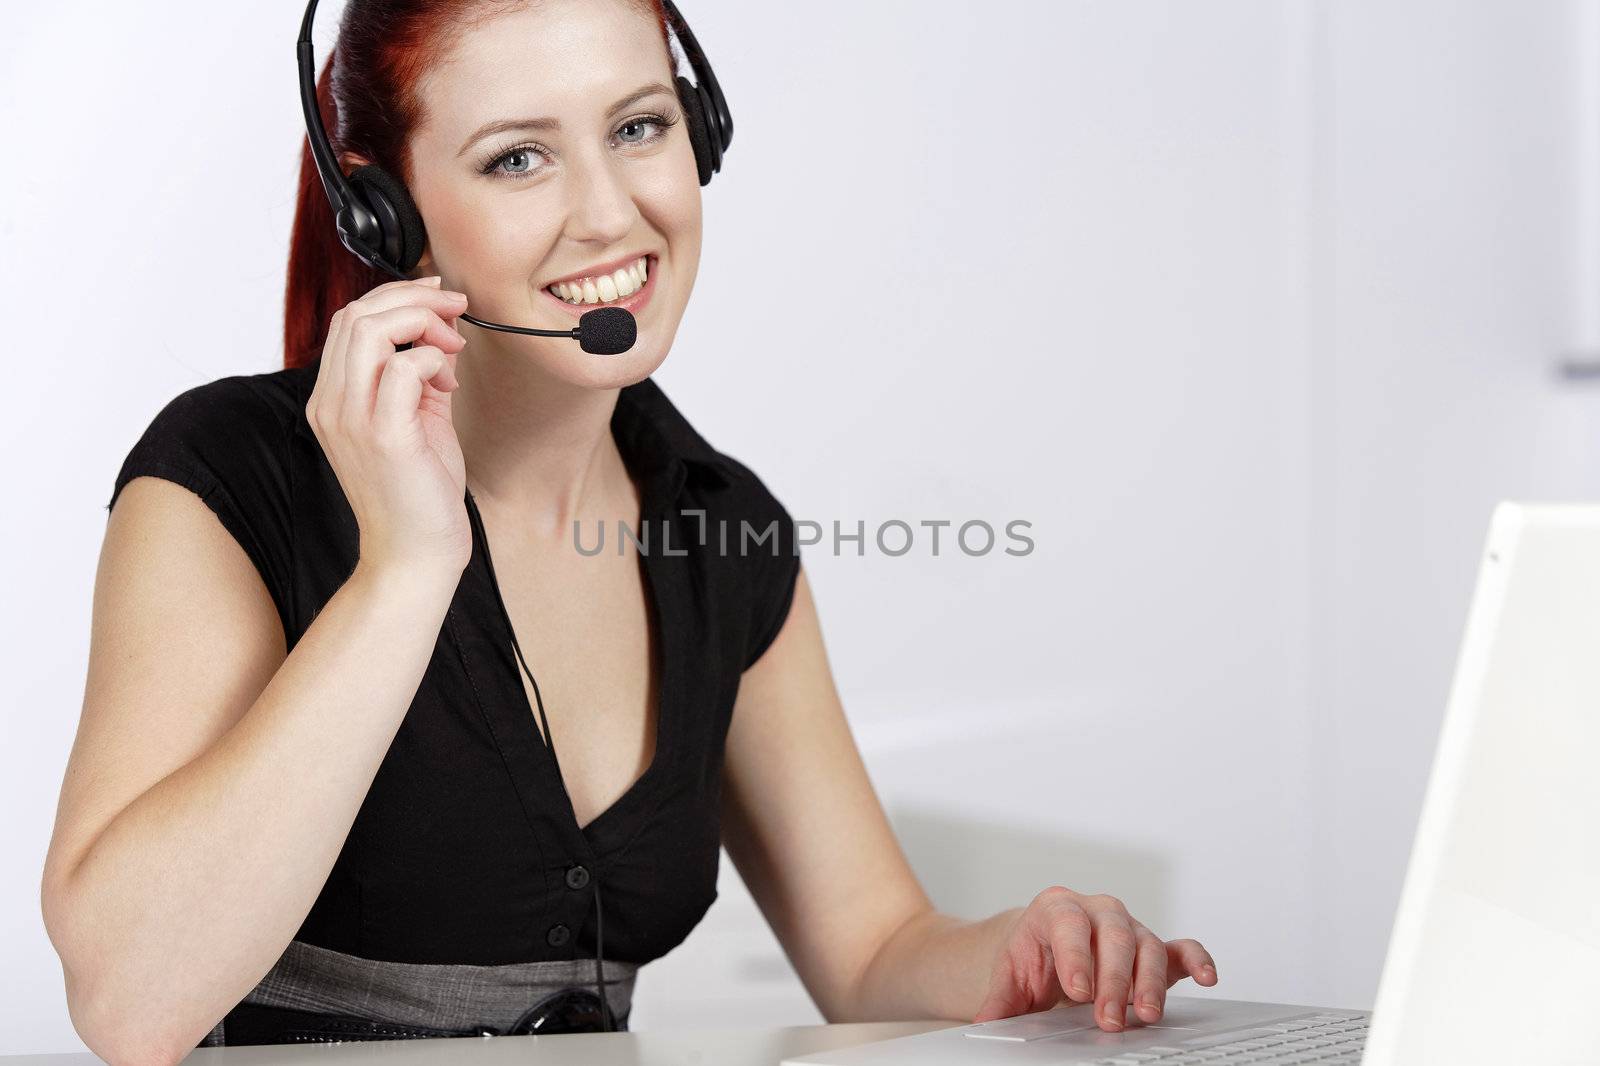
436,995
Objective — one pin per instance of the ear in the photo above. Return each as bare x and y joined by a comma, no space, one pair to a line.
350,161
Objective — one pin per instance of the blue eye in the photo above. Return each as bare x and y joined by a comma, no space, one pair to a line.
516,162
516,153
642,122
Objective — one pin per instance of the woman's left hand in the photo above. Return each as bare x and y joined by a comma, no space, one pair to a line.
1088,948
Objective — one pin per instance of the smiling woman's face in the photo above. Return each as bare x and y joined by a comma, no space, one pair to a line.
511,207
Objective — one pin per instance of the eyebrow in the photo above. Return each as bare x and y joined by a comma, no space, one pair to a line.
505,124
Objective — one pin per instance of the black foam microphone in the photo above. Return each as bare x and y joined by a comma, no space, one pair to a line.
603,331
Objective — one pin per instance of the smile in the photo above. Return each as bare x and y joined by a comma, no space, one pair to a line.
602,289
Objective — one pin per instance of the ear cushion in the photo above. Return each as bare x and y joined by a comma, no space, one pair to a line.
377,184
708,116
699,132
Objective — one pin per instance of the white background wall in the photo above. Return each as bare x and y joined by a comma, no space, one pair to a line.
1251,307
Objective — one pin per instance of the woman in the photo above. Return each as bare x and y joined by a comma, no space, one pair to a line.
306,751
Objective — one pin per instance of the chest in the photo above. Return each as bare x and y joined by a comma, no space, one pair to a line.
464,847
587,629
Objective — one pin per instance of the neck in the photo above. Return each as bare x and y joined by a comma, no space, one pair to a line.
535,445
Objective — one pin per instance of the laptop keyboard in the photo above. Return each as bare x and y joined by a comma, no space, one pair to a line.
1326,1039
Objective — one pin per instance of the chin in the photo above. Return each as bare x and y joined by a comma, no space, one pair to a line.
573,365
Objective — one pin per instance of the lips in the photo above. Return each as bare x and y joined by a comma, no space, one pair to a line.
601,268
634,303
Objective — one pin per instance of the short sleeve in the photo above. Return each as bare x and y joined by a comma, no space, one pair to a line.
228,445
768,558
773,587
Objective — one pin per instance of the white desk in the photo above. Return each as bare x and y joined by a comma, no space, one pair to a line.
673,1047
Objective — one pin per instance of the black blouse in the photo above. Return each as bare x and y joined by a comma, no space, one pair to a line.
465,847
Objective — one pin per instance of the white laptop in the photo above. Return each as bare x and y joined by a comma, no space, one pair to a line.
1494,956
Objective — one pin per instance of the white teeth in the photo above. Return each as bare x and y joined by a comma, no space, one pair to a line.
608,287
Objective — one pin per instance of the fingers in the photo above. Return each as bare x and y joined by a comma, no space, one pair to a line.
372,341
1187,958
330,376
1069,932
400,390
398,293
334,367
1115,945
1099,953
1149,975
333,377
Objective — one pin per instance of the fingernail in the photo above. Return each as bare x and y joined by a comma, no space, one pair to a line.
458,297
1080,986
1114,1014
1149,1009
1209,972
432,279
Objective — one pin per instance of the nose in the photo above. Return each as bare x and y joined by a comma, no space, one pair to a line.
600,205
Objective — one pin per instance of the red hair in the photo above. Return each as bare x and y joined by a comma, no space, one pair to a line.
368,99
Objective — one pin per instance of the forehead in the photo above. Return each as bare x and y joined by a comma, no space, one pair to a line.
547,58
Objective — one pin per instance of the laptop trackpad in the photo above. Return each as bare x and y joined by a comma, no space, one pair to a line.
1179,1020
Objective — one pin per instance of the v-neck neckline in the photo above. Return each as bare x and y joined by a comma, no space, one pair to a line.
602,834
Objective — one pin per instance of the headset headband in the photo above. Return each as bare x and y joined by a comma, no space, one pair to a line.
328,168
373,240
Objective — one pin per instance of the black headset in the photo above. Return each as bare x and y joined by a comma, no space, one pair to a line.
379,223
375,215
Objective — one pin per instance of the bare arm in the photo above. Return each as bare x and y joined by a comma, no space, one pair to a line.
213,780
804,827
806,831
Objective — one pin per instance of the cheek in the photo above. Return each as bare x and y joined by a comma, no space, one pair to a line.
667,191
485,236
685,234
683,193
672,203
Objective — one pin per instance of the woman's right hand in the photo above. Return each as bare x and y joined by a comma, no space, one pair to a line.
383,419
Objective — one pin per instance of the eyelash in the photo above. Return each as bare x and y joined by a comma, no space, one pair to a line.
490,167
